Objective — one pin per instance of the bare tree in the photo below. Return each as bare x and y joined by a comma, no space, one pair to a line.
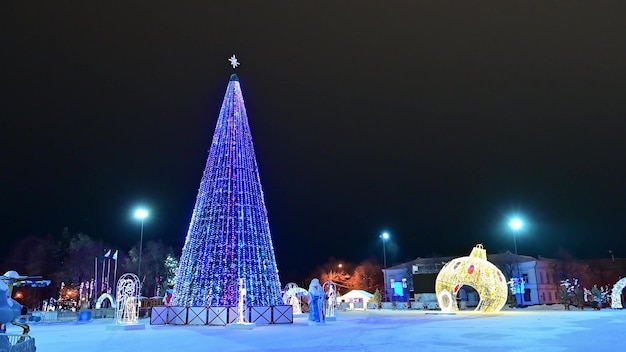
35,256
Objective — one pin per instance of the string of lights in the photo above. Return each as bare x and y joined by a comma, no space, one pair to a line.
229,235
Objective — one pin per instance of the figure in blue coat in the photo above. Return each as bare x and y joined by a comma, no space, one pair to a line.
317,298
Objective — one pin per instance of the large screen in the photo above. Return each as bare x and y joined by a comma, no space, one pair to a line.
424,283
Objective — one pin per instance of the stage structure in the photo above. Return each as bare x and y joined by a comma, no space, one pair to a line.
229,234
475,271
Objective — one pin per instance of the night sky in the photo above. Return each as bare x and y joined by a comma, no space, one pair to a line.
432,120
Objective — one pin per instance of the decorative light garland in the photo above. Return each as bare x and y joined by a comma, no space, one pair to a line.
229,235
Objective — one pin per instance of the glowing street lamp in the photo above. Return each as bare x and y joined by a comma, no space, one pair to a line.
516,224
385,237
140,214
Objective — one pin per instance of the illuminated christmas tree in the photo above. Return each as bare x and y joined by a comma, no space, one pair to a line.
229,235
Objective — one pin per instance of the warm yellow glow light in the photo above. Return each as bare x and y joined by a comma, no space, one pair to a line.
475,271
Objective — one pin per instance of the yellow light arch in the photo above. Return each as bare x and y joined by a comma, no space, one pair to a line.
476,271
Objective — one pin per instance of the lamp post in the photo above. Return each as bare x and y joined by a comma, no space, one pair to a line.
140,214
516,224
335,276
385,237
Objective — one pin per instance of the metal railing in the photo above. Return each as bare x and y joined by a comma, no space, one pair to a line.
17,343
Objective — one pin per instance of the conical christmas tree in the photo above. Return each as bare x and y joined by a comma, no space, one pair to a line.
229,235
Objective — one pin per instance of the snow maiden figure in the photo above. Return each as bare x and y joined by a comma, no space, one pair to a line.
316,301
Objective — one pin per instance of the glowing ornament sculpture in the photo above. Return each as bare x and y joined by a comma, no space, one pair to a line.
229,235
473,271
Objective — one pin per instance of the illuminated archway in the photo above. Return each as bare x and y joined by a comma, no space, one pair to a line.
616,293
104,297
476,271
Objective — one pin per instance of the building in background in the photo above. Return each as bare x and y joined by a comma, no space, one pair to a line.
415,280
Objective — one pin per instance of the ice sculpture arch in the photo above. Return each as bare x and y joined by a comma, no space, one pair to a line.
476,271
616,293
104,297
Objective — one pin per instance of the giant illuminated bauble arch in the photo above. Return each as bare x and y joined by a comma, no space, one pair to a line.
475,271
616,293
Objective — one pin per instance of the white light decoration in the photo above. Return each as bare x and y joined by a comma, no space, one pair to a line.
331,292
242,298
292,296
241,322
475,271
233,61
616,294
127,298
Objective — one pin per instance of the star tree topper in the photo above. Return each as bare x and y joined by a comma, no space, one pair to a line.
233,61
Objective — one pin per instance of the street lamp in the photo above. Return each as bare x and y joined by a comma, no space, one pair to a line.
516,224
140,214
385,237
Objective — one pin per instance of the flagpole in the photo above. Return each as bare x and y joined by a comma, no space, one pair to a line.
115,272
108,272
103,290
95,275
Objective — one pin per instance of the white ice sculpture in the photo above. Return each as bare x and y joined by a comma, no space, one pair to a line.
104,297
127,298
292,296
241,322
616,293
331,292
242,299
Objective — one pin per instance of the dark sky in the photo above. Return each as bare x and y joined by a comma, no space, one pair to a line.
433,120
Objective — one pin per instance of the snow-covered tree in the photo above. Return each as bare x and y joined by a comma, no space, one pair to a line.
599,295
378,297
171,267
568,292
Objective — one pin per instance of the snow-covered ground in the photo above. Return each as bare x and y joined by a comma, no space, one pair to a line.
529,329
